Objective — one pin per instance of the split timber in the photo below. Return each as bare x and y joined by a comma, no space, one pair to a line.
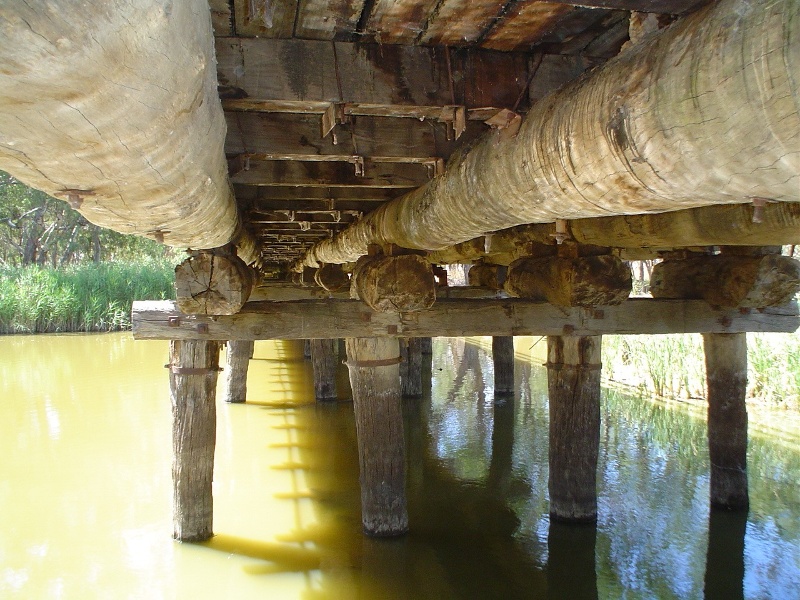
351,318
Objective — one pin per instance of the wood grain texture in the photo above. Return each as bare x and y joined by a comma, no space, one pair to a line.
193,437
503,360
381,442
344,318
212,284
398,284
323,362
237,362
118,103
327,19
622,142
573,384
726,373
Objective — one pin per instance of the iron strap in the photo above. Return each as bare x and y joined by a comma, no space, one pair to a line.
190,370
386,362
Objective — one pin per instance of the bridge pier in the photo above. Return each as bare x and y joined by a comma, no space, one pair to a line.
503,358
374,365
237,358
573,381
323,360
193,369
726,373
411,367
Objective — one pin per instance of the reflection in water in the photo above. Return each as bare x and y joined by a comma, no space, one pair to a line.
85,490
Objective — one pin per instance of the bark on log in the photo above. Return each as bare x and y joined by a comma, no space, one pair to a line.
682,120
238,358
730,225
375,380
115,109
331,278
193,384
323,360
482,275
210,283
726,372
411,367
503,358
582,281
394,283
573,382
729,281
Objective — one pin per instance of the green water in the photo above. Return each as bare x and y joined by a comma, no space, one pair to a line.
85,490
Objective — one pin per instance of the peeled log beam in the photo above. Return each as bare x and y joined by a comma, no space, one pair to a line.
212,283
394,283
115,109
705,112
729,281
729,225
581,281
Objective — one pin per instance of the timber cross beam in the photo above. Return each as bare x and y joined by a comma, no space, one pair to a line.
449,317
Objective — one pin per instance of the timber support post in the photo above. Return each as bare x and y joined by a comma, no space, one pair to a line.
503,358
237,360
411,367
323,360
375,379
573,381
193,372
726,373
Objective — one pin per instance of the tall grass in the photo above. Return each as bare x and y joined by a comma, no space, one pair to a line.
84,297
673,366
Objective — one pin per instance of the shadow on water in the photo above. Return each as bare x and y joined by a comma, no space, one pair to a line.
477,494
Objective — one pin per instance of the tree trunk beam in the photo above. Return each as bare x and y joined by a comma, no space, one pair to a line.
331,278
394,283
573,381
333,319
212,283
237,358
729,225
729,281
193,383
323,360
622,141
726,372
503,359
137,149
581,281
375,380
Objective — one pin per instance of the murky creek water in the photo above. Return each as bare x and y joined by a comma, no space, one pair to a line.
85,492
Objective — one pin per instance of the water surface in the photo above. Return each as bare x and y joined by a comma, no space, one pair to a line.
85,490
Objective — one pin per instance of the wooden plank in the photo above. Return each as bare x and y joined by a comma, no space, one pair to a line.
269,69
351,318
271,19
672,7
221,17
399,21
482,78
376,175
524,24
315,198
300,134
458,23
327,19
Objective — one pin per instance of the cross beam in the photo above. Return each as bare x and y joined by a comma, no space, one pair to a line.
449,317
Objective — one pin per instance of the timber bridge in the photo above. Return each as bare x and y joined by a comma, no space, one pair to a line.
324,159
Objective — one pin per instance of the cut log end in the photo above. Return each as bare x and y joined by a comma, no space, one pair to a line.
393,284
212,283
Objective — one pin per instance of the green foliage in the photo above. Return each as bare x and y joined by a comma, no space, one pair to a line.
85,297
673,366
38,229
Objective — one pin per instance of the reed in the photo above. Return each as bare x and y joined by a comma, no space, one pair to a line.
84,297
673,366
